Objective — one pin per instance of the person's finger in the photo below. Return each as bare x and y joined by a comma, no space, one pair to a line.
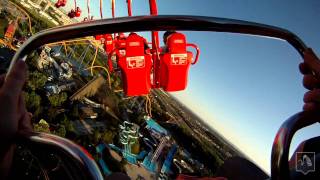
310,82
25,124
312,61
15,80
304,69
311,106
312,96
21,105
2,77
25,119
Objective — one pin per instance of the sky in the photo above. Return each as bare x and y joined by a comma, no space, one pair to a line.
242,86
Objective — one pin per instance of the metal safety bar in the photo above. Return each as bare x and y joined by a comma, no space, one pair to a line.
77,160
282,141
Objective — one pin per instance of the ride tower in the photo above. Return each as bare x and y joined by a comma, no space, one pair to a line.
129,134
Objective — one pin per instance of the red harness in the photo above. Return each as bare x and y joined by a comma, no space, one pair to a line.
175,63
135,67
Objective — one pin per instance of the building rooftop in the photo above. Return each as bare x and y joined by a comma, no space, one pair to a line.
155,126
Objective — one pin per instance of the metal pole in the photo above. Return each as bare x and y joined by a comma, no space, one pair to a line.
112,8
155,47
101,14
129,8
88,7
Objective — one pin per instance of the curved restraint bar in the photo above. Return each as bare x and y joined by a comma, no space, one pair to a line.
281,144
158,23
81,163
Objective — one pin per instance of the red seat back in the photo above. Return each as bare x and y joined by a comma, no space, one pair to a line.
78,12
71,14
108,43
120,45
176,43
135,67
174,66
60,3
99,37
134,45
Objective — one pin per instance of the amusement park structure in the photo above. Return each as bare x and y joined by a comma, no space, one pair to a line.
129,134
156,138
21,14
11,29
141,67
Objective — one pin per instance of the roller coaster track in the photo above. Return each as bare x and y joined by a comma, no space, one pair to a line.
106,70
94,43
80,41
8,45
72,41
24,12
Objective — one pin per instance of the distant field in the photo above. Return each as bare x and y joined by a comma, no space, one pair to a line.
3,26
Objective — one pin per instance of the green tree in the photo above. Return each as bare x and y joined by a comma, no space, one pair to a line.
33,103
36,80
96,136
42,126
51,114
23,28
3,24
32,60
33,100
61,131
75,112
58,99
67,124
108,136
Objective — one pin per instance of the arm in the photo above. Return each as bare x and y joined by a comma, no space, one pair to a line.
14,117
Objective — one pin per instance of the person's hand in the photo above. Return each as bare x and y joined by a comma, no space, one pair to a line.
311,80
13,114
